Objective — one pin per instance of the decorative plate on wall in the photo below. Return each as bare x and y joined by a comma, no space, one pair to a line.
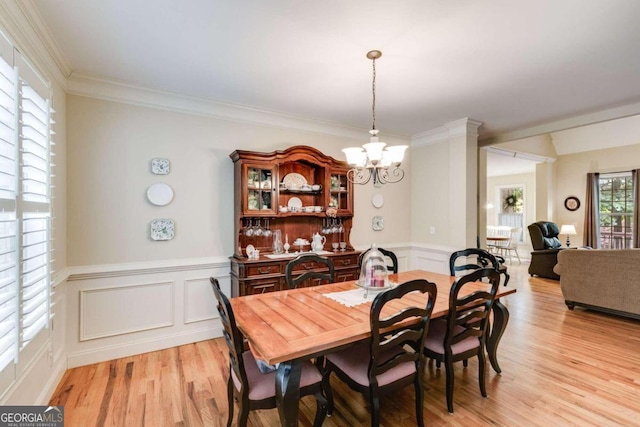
377,223
377,200
160,194
160,166
572,203
162,229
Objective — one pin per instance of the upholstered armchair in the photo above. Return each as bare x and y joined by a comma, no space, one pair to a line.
544,239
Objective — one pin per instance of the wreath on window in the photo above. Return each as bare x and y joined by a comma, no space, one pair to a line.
510,201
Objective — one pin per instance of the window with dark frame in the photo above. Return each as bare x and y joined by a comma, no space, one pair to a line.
616,210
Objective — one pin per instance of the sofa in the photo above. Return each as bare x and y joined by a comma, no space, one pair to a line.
546,245
603,279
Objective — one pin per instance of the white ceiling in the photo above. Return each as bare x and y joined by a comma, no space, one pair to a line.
508,64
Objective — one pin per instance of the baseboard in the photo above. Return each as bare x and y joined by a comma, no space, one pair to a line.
52,383
143,346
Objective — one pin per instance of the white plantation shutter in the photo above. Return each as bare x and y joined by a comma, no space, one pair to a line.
25,204
35,210
9,337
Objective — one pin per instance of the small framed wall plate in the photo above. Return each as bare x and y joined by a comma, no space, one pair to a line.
162,229
377,223
160,166
572,203
160,194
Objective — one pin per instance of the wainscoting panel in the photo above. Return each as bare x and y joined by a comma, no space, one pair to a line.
124,309
431,258
119,310
199,301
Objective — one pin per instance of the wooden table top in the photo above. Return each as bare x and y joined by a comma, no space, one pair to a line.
302,323
498,238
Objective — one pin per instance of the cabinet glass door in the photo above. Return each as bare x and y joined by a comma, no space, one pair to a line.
339,192
260,197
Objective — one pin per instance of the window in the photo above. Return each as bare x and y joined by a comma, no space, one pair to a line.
25,206
616,210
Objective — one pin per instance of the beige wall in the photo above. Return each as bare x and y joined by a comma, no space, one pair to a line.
571,173
110,147
430,193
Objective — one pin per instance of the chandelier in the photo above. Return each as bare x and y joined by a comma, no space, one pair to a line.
375,160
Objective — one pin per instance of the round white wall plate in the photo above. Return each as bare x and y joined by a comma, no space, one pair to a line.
160,194
377,200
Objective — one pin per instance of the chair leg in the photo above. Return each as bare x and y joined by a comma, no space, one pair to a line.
448,364
518,255
374,401
465,363
243,411
321,409
326,386
230,401
481,371
417,381
506,278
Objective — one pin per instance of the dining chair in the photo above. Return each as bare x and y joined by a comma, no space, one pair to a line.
248,386
310,263
391,358
463,333
390,257
511,246
459,262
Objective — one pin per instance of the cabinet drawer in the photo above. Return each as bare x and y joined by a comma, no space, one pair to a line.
346,261
262,269
260,286
347,275
310,265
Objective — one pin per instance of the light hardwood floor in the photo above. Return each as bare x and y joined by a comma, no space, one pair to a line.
560,368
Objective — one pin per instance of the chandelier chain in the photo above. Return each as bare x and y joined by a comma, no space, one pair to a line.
373,90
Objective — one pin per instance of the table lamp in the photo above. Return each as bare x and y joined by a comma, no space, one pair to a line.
568,230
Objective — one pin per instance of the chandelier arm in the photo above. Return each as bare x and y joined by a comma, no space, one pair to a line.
390,175
359,175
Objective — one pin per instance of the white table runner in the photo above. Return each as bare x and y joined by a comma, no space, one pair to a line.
352,298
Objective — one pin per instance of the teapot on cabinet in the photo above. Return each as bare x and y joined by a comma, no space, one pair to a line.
318,242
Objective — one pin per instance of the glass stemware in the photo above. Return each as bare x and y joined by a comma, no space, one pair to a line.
248,231
258,229
267,230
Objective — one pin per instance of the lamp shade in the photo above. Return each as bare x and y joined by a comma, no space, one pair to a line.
355,156
374,151
568,229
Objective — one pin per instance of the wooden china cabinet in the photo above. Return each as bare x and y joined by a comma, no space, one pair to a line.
301,192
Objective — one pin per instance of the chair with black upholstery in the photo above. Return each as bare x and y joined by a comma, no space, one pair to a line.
471,259
251,388
317,269
391,358
390,257
546,245
463,333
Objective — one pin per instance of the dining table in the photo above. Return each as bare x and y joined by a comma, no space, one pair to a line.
287,327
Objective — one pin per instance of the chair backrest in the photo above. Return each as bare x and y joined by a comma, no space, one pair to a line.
514,237
544,235
232,336
482,259
386,335
470,310
310,263
389,255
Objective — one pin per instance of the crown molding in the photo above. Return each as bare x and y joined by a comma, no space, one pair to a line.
460,127
32,37
119,91
569,123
